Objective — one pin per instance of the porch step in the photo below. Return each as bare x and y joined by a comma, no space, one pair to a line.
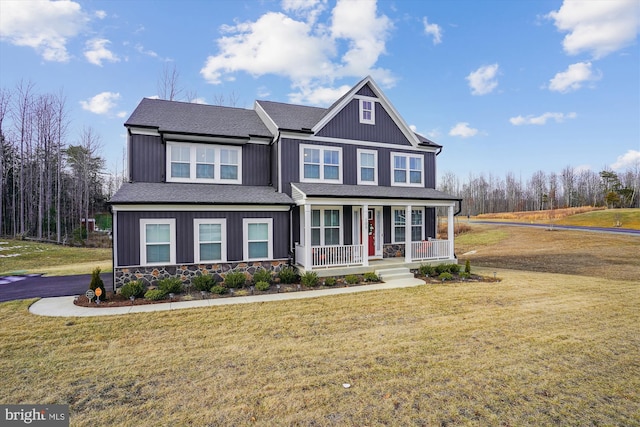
398,273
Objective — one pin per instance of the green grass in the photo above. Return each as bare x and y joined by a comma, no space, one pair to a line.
628,218
51,259
484,237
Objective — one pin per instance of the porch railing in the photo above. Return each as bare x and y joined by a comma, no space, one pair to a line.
331,256
430,249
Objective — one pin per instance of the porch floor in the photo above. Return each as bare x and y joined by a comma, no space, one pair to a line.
377,264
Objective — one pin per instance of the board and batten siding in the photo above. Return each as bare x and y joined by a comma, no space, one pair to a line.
128,233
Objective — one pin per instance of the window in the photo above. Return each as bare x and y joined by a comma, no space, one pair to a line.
204,163
320,164
325,227
367,167
210,237
157,241
368,111
417,225
406,169
258,238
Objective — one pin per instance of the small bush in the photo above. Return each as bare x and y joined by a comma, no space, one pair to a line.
330,281
371,277
467,267
262,275
465,275
352,279
96,282
448,268
287,275
132,289
170,285
427,270
309,279
155,294
203,283
262,286
219,290
235,280
445,276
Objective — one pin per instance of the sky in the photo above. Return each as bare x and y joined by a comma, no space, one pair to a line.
504,86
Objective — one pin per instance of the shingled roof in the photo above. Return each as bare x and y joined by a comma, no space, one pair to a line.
370,191
292,117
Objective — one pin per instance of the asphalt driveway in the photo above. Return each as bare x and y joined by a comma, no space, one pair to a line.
34,286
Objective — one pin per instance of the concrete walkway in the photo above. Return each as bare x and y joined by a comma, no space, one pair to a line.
64,306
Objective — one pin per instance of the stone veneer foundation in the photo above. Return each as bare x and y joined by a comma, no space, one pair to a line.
393,250
186,272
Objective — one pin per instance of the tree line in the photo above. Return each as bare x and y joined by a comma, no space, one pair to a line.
569,188
51,183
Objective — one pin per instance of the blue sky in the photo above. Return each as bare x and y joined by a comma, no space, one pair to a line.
504,86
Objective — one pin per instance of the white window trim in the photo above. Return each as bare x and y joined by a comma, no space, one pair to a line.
393,223
322,226
192,163
408,157
143,240
245,239
361,102
375,167
322,148
196,238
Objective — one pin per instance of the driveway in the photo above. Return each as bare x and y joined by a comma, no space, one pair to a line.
627,231
34,286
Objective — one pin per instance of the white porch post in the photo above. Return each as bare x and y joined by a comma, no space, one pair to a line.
450,230
308,262
364,232
407,233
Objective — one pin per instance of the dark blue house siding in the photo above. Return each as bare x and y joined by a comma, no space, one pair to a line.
366,91
346,124
147,159
256,164
128,233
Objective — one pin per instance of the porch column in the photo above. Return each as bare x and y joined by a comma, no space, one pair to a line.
450,230
364,232
308,262
407,233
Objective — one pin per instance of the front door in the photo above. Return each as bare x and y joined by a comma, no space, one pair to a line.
372,232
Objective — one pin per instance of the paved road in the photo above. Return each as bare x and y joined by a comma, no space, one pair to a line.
33,286
627,231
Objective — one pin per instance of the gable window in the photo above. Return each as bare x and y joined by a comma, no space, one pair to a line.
368,111
157,241
210,240
367,167
203,163
258,238
417,225
406,170
320,164
325,227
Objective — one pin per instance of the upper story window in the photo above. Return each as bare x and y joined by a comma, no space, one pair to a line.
406,170
320,164
203,163
368,111
367,167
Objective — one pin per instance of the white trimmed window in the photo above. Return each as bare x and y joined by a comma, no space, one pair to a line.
368,111
320,164
157,241
407,170
326,227
258,239
417,225
203,163
210,238
367,167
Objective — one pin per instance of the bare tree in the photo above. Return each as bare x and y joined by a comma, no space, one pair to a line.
168,84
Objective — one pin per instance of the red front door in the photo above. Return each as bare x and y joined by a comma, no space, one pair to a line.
372,233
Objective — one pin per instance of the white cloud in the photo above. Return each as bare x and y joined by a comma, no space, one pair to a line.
318,95
100,14
463,130
433,29
541,119
96,51
311,54
573,78
102,103
483,80
597,26
629,159
45,26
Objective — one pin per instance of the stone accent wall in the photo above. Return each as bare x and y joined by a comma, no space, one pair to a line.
186,272
393,250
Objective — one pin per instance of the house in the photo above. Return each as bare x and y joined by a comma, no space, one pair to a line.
214,189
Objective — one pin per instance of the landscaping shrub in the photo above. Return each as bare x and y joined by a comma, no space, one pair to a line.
262,275
445,276
427,270
96,282
235,280
155,294
287,275
371,277
170,285
352,279
135,289
310,279
203,283
467,267
218,289
330,281
448,268
262,286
